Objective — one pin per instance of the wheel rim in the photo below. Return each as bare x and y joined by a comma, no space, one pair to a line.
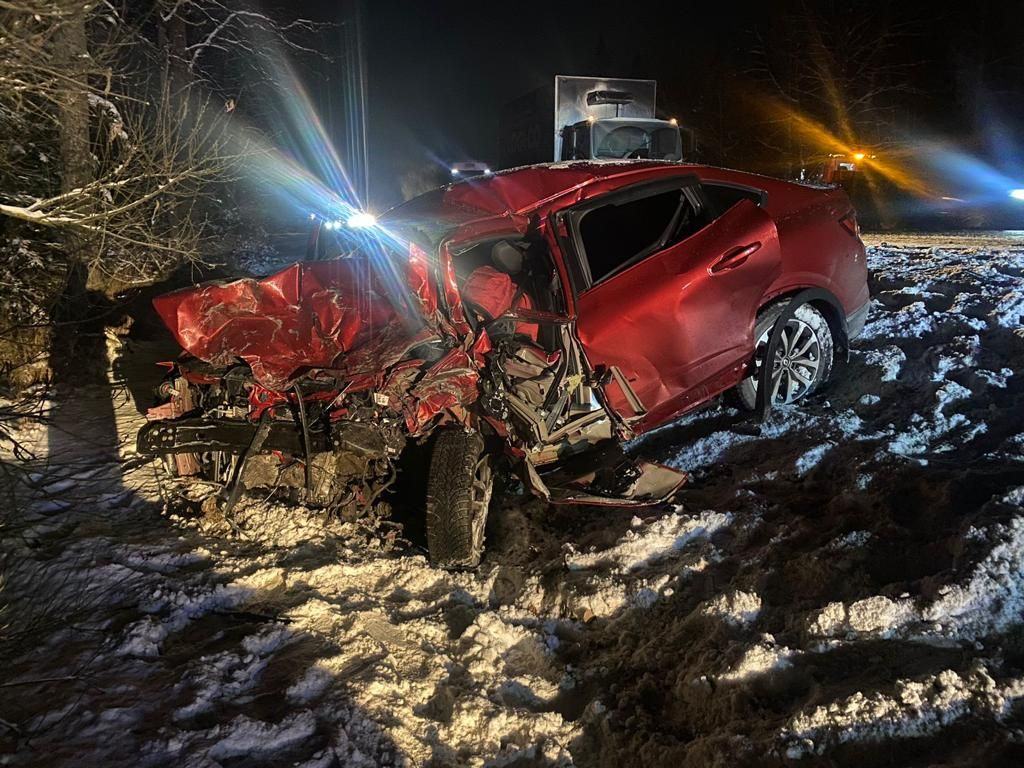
483,488
797,362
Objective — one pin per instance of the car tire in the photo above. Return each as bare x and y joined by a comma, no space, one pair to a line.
459,490
803,373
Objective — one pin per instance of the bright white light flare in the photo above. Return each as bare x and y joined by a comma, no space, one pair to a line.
362,220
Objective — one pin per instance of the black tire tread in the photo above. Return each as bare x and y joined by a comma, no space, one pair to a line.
746,390
453,465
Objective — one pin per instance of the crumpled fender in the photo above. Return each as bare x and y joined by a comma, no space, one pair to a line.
306,316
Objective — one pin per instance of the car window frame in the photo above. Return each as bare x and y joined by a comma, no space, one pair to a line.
579,268
762,195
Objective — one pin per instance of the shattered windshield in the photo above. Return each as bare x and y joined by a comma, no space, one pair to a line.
636,140
426,219
337,243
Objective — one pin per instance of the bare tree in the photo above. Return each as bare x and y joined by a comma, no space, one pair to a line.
837,77
132,163
134,215
120,132
127,135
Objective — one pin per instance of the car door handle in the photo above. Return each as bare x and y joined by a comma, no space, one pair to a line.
733,258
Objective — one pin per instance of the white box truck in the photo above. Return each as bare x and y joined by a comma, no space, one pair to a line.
587,118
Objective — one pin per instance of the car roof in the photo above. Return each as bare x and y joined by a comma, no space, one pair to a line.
524,190
521,191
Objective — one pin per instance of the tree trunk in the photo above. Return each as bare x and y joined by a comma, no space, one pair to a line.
71,56
175,90
173,41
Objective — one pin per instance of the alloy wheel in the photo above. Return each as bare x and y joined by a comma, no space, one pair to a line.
797,363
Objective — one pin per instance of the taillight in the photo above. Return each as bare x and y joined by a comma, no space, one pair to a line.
849,223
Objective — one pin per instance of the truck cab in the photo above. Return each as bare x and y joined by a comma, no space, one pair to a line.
611,119
589,119
621,138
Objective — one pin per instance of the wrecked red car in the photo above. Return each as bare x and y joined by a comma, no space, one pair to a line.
528,317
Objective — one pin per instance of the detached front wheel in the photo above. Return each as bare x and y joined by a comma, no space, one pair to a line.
459,492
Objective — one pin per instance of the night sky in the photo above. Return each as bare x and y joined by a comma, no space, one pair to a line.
439,72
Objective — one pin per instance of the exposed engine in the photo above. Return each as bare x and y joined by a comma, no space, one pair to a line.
352,446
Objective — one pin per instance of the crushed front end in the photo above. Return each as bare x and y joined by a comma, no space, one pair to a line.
310,382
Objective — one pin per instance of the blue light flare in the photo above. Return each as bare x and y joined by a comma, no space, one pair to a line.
306,175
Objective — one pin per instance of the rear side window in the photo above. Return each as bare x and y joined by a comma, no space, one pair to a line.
721,198
616,234
693,217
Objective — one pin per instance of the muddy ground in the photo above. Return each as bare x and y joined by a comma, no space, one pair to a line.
842,585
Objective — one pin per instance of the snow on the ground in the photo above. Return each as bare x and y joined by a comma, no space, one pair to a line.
851,574
988,602
916,708
738,608
890,359
645,544
923,376
764,657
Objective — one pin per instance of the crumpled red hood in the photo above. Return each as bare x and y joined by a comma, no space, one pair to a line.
306,316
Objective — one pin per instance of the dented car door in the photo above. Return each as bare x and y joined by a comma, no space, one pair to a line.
673,324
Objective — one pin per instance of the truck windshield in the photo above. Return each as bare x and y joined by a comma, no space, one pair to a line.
636,140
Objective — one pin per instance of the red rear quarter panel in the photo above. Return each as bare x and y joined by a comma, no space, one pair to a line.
816,250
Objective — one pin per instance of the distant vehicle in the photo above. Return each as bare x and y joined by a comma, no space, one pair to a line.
469,170
973,210
850,170
937,199
532,317
588,118
840,168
